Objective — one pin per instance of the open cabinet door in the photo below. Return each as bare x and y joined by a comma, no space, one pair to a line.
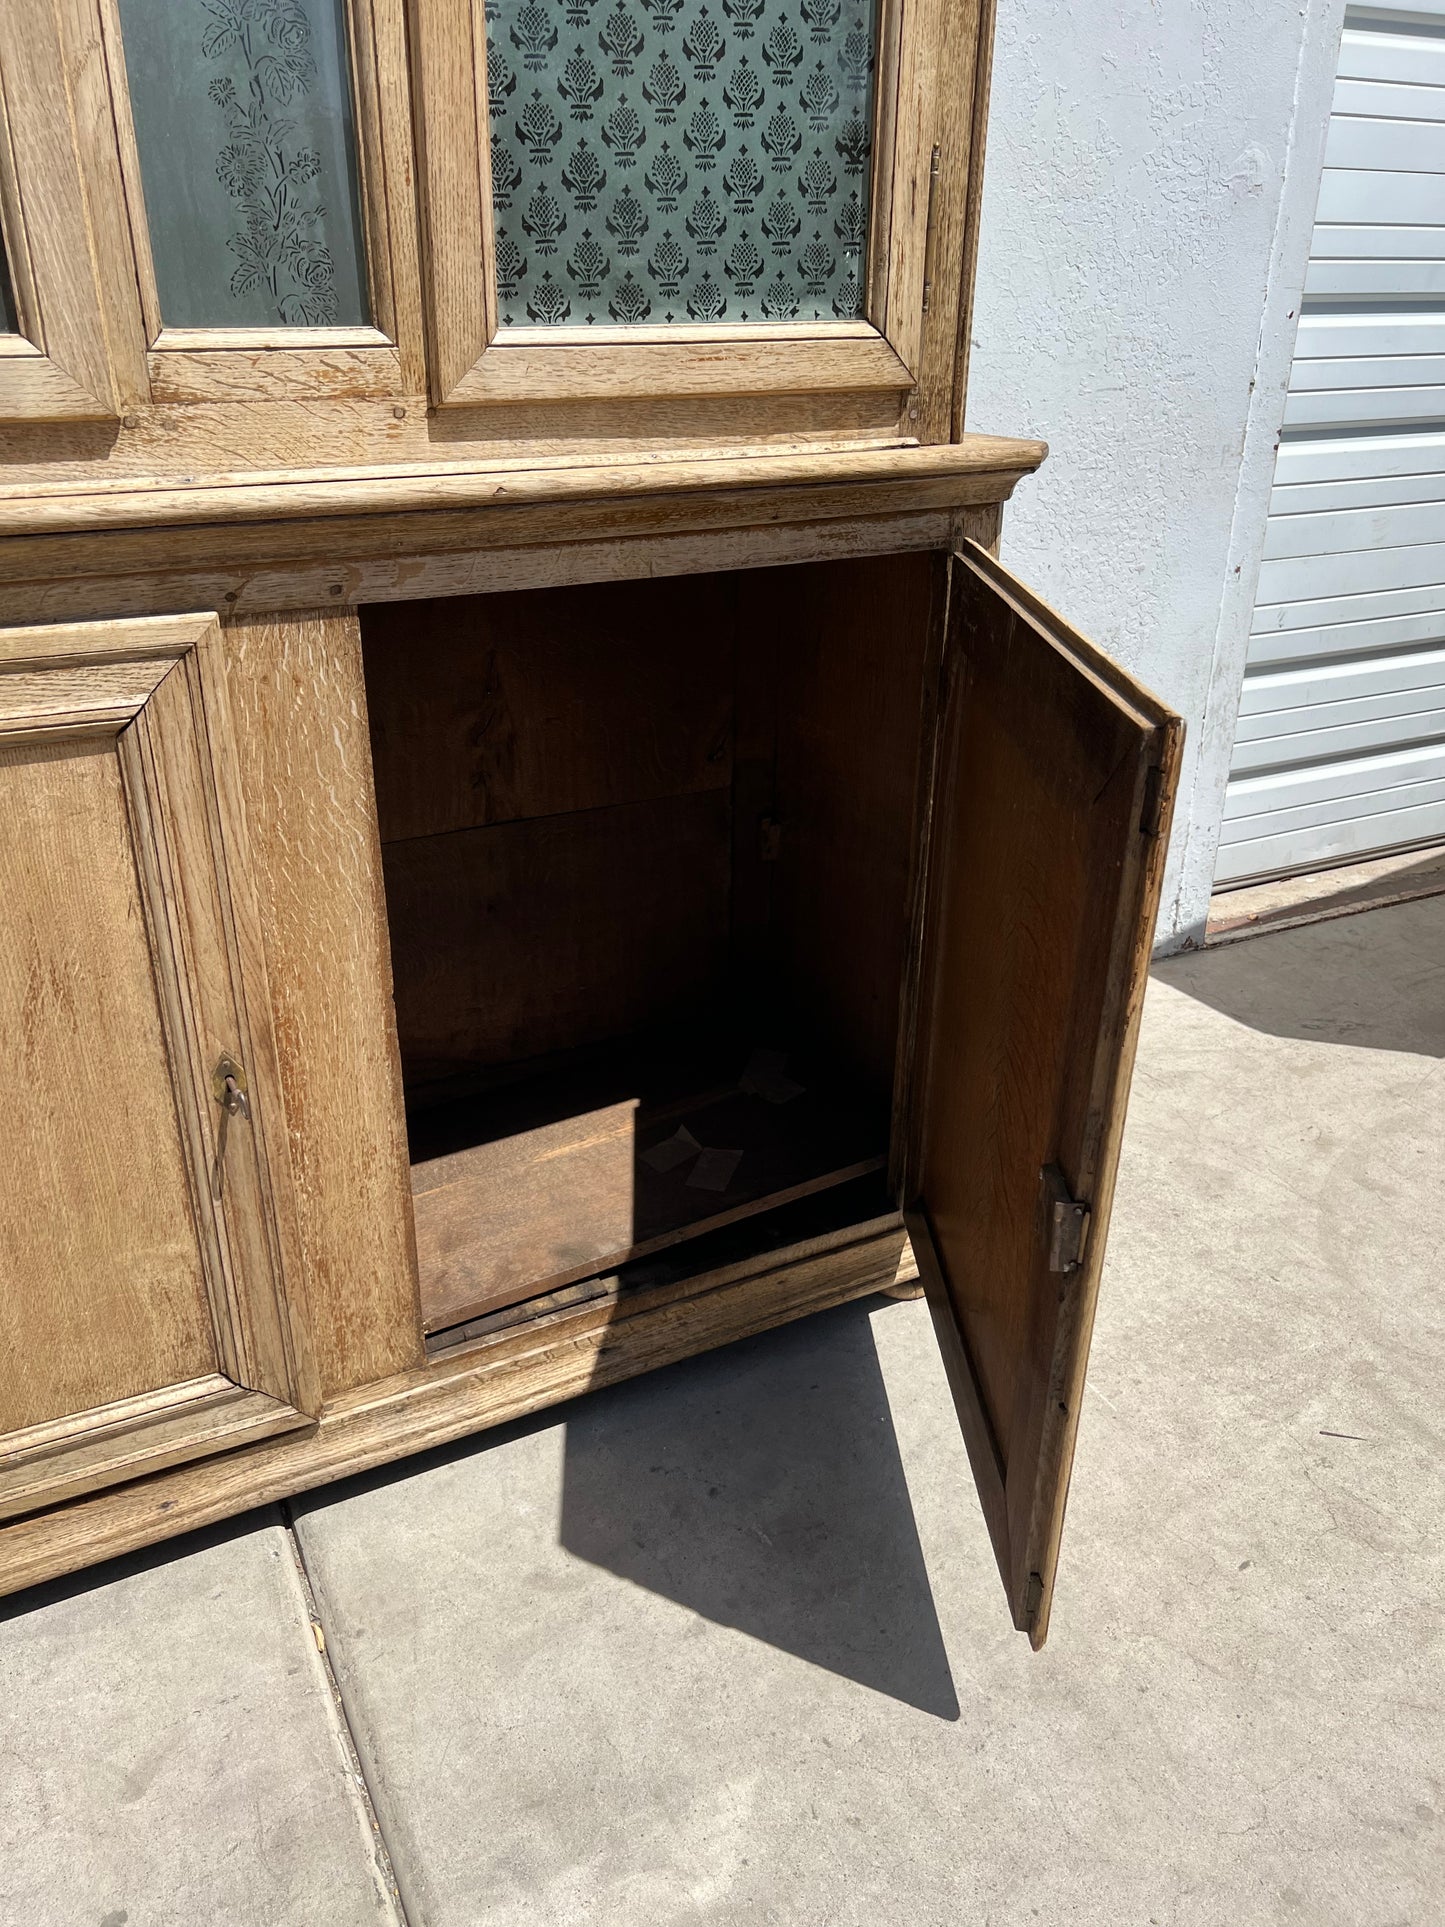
1053,783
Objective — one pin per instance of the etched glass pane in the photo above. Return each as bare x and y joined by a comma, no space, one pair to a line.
243,120
680,160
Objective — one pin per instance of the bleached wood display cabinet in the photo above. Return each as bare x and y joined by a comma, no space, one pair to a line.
535,835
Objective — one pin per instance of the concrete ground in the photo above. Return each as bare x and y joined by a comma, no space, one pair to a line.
726,1645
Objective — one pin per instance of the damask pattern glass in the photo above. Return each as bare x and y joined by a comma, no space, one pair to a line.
680,160
243,119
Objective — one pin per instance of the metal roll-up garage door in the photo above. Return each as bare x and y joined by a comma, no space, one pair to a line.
1340,748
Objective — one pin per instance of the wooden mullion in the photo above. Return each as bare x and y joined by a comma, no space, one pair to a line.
129,155
371,163
887,71
99,158
291,724
455,201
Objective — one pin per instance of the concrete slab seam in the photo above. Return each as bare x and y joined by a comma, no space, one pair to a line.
385,1865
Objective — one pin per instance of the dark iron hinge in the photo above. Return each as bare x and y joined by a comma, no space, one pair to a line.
1151,817
1033,1599
935,166
1068,1222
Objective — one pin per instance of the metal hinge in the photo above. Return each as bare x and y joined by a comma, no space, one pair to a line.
935,164
1068,1223
1033,1599
1151,817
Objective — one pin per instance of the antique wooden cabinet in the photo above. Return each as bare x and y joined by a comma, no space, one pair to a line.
535,833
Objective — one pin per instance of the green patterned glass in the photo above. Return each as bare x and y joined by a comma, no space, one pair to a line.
680,160
243,119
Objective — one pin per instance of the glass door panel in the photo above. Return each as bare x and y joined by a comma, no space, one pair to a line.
658,161
245,132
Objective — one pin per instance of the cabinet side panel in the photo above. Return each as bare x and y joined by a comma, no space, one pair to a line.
305,774
102,1292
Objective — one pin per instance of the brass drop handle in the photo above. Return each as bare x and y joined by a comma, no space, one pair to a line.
228,1082
234,1101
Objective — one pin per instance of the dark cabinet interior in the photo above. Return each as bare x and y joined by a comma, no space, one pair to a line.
648,852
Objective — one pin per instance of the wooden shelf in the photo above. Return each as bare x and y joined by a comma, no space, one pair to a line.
523,1190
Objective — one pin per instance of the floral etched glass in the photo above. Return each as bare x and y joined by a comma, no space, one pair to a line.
243,121
661,161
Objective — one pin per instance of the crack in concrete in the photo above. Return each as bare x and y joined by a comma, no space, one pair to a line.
385,1865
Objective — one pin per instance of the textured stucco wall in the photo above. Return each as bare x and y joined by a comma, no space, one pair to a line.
1151,176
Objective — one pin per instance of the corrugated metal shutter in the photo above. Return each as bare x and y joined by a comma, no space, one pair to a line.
1340,750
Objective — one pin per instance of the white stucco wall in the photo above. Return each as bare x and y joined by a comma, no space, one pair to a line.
1151,177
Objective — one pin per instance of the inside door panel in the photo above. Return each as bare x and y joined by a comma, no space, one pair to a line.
1054,775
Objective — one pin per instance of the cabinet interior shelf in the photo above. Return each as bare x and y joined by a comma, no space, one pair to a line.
617,1154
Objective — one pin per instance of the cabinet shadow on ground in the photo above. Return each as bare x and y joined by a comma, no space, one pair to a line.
761,1487
1375,980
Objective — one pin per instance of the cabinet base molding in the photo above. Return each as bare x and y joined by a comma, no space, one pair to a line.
516,1372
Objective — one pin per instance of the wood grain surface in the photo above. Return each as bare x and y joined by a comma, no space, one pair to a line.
525,938
850,641
486,709
1044,872
298,700
143,1263
98,1236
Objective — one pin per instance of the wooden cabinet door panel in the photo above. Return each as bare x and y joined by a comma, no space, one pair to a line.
143,1316
1054,779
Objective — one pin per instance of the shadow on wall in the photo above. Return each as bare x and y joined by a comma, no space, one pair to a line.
1375,980
761,1486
